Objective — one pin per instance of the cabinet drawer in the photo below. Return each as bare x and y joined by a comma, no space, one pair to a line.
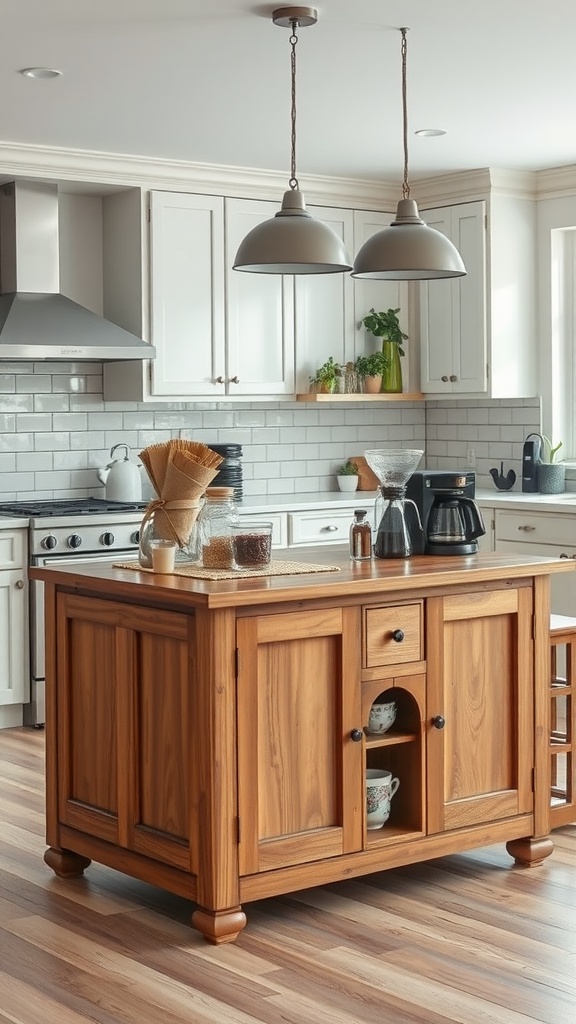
12,549
380,627
319,527
535,527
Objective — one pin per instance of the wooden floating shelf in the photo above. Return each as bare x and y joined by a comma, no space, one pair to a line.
415,396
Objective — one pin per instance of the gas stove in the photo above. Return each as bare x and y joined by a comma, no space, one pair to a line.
78,526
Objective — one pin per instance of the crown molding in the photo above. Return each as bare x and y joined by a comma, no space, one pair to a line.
112,169
477,184
556,182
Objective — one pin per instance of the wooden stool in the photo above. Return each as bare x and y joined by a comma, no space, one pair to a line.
562,719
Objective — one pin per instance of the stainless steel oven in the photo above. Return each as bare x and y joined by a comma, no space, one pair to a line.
64,532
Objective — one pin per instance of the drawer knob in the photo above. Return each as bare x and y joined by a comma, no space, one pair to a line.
453,377
397,635
235,379
438,722
329,529
19,584
527,529
219,380
356,735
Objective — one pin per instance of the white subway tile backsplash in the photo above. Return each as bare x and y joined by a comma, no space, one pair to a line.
55,430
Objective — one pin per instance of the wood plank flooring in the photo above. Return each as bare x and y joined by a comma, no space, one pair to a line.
468,939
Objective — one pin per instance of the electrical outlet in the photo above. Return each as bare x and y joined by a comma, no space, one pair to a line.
471,458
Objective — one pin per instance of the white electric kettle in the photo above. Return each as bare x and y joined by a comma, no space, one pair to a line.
121,477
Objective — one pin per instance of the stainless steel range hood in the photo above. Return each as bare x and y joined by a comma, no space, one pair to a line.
36,320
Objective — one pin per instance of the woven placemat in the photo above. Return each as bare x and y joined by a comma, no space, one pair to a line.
274,569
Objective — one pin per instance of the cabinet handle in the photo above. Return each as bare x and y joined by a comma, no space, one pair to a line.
453,377
19,584
444,378
398,636
438,722
219,380
234,380
329,529
526,529
356,735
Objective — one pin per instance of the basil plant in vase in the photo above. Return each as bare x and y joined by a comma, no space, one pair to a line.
386,325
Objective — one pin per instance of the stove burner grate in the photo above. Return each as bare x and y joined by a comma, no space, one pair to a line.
69,507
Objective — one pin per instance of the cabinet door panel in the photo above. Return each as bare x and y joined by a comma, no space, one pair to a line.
300,783
14,677
324,310
187,293
260,327
480,681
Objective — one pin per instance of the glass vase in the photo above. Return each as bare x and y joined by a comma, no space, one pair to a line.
392,376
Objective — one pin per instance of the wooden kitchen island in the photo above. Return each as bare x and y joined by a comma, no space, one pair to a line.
210,737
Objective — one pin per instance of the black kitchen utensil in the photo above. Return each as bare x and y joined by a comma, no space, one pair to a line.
503,483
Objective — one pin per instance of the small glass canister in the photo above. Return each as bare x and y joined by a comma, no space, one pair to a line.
213,535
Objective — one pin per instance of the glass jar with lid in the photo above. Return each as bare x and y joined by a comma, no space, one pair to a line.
213,542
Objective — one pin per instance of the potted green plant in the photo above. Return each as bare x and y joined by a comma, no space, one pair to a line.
371,369
385,325
326,376
551,474
347,476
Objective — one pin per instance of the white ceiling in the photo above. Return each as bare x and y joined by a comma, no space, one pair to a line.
209,81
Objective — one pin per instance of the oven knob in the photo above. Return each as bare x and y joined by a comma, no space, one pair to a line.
49,542
135,537
74,540
107,539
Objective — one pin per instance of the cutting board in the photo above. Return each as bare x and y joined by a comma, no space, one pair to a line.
367,480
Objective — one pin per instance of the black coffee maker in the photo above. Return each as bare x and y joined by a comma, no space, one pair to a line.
451,519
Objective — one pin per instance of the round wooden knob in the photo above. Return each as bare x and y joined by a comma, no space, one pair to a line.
438,722
398,635
356,735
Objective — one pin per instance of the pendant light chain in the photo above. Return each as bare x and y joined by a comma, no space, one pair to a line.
405,185
293,40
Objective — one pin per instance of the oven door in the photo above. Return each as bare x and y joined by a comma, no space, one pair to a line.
34,712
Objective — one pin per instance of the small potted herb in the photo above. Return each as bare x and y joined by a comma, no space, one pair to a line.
371,369
551,474
386,325
347,476
326,377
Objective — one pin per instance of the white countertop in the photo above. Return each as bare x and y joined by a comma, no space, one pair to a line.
565,502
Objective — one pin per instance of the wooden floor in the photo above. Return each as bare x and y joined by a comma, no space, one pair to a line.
467,938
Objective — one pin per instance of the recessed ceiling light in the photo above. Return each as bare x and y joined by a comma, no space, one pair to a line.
429,133
41,72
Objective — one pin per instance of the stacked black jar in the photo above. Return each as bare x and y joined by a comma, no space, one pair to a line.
230,471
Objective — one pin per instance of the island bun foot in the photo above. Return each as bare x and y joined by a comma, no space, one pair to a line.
66,864
529,853
219,926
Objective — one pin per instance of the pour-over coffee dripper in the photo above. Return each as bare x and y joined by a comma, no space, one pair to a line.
393,467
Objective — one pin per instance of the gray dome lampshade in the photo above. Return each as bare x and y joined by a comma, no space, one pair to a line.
408,250
292,242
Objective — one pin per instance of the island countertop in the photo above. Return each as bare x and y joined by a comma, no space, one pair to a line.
378,576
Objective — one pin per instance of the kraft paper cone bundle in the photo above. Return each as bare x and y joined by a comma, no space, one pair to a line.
180,471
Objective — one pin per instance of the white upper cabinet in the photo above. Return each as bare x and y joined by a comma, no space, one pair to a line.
187,288
478,332
260,314
453,312
330,307
324,306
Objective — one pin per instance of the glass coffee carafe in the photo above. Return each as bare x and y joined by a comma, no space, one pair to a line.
394,528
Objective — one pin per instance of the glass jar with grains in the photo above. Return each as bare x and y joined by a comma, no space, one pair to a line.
214,525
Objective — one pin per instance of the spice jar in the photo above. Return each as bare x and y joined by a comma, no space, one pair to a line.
360,537
213,547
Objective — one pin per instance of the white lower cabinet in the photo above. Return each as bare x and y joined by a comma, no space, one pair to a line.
14,655
542,533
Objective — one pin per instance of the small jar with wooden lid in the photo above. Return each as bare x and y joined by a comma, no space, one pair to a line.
218,515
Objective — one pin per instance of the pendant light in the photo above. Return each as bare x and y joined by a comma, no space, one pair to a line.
407,250
293,242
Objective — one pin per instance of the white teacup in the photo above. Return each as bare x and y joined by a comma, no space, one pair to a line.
380,788
381,717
